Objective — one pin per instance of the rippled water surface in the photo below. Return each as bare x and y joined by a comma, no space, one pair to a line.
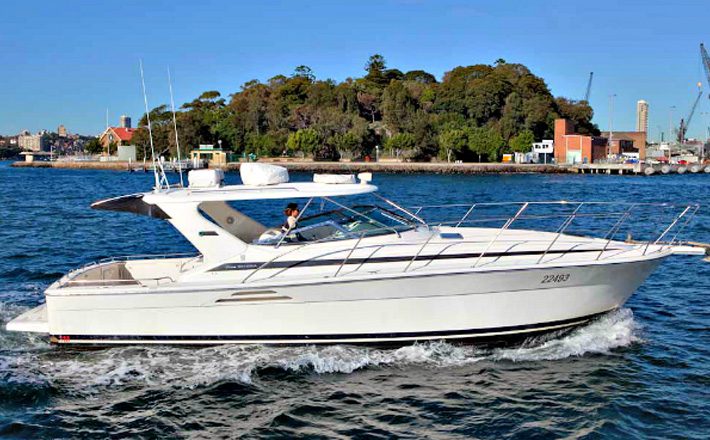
643,371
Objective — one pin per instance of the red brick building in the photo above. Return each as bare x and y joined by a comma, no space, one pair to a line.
116,135
627,142
571,147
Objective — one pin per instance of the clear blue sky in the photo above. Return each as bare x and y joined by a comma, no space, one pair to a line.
67,61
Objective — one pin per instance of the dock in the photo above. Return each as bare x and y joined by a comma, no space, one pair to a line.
641,169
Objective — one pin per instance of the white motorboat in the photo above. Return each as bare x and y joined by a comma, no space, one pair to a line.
362,273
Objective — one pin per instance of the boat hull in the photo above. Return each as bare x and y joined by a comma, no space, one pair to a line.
470,305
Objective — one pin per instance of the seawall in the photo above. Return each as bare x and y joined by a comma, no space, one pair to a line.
343,167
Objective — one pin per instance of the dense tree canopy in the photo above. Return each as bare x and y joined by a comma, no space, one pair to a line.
475,112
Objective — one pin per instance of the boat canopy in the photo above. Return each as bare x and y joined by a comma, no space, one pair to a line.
131,203
291,190
149,203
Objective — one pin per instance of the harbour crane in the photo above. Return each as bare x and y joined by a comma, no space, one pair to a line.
589,86
685,122
706,63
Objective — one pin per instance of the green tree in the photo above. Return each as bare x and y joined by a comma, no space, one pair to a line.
522,142
401,143
93,146
580,113
346,143
398,107
304,141
452,142
420,76
484,141
513,119
354,115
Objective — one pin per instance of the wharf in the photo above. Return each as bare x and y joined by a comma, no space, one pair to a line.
409,167
339,167
640,169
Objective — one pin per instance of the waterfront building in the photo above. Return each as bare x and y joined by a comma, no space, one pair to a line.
33,142
543,151
62,131
575,148
214,157
642,116
117,135
627,143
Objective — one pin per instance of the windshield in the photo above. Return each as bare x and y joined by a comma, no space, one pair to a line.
344,223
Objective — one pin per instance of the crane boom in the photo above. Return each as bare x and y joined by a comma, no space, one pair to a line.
706,63
685,122
589,86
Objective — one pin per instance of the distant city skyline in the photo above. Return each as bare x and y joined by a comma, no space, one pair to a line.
70,74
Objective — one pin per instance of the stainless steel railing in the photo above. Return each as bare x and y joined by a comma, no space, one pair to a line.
106,265
619,218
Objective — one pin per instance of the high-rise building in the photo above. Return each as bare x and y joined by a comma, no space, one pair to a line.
62,131
642,116
125,121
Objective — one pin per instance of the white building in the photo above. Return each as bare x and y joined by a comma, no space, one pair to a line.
32,142
543,151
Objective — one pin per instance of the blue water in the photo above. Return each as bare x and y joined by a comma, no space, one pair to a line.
641,372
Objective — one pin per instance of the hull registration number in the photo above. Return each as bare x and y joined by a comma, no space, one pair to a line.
556,278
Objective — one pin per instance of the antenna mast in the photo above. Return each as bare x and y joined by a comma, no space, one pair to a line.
158,174
177,141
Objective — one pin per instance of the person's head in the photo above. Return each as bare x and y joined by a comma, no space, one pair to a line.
291,210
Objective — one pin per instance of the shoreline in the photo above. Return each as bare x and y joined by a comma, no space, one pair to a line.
342,167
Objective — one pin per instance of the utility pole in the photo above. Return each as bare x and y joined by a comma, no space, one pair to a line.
670,130
611,125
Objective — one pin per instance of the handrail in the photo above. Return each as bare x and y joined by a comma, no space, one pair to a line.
520,215
687,221
288,230
614,229
465,216
551,202
500,231
349,255
270,261
102,262
568,221
420,250
675,221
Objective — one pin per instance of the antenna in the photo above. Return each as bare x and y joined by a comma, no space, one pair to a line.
177,141
159,175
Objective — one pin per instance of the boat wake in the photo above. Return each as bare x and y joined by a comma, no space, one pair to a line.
26,361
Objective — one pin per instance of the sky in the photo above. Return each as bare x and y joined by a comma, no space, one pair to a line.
66,62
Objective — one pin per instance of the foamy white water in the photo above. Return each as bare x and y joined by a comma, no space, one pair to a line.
190,367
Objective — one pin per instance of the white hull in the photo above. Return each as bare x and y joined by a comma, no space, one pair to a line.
469,305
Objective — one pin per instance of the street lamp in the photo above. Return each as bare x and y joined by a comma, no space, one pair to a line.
377,153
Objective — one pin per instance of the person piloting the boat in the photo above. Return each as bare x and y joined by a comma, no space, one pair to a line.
292,213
